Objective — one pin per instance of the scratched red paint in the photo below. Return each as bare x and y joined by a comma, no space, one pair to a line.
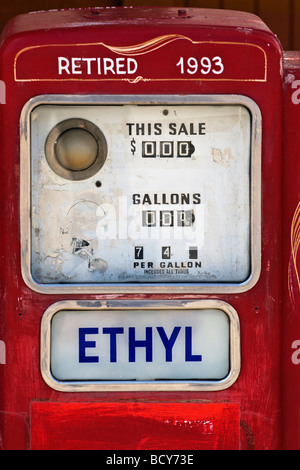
131,426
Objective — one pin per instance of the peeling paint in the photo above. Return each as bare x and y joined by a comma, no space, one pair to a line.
205,426
2,353
222,158
289,78
80,249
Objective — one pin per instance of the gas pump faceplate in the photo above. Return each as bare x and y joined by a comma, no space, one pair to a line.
168,201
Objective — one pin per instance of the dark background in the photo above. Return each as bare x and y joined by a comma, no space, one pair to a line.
281,16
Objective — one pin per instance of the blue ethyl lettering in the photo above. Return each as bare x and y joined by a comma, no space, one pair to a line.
168,342
113,332
188,346
83,344
133,344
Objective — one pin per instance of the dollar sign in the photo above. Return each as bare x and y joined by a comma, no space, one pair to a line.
133,148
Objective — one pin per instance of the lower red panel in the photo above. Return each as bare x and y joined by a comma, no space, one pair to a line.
134,426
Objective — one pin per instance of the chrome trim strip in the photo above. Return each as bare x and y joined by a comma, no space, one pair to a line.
159,385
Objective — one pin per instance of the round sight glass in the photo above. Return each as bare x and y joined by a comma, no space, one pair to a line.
76,149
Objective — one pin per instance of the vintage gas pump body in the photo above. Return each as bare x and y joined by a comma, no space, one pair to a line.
291,326
141,249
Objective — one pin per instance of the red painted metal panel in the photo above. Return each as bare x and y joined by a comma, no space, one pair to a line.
291,284
127,426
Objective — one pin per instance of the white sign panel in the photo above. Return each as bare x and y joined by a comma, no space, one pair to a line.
140,193
103,344
127,346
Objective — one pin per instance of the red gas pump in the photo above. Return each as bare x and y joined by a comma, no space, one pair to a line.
291,255
141,246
